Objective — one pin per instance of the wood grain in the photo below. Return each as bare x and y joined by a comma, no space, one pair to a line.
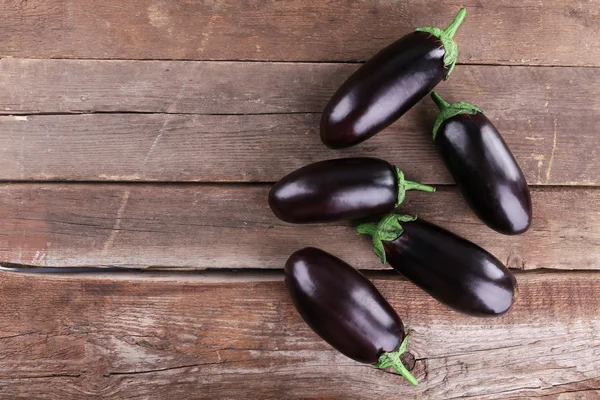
551,132
231,226
79,337
555,32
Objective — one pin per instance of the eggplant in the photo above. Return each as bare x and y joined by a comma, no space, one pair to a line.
482,166
346,310
340,189
389,84
453,270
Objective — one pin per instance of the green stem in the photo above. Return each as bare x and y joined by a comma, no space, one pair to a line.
448,111
401,369
455,24
410,185
387,229
446,37
392,359
439,102
404,185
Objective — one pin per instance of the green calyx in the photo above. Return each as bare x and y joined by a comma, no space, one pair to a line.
448,111
392,359
446,36
404,185
387,229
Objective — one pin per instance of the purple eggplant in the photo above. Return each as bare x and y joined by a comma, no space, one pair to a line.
389,84
482,166
346,310
453,270
341,189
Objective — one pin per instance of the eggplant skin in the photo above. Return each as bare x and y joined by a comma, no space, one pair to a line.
486,172
342,306
335,190
383,89
453,270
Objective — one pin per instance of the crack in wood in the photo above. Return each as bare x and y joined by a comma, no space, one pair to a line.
19,335
149,371
48,376
476,351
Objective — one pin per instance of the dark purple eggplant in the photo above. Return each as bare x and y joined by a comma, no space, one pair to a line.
341,189
389,84
482,166
344,308
453,270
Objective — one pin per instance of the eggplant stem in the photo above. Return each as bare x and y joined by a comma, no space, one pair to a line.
404,185
387,229
448,111
451,29
392,359
439,102
401,369
446,37
410,185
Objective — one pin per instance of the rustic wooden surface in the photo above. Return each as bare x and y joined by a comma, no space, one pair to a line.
140,339
147,133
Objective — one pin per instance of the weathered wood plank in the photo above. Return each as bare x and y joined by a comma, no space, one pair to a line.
551,132
231,226
58,86
528,32
206,87
78,337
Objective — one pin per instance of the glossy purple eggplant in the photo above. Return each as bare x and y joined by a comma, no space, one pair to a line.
453,270
483,167
340,189
389,84
344,308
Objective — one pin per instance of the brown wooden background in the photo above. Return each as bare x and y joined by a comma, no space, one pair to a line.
146,133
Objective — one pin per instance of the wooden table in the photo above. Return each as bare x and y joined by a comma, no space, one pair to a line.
146,134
